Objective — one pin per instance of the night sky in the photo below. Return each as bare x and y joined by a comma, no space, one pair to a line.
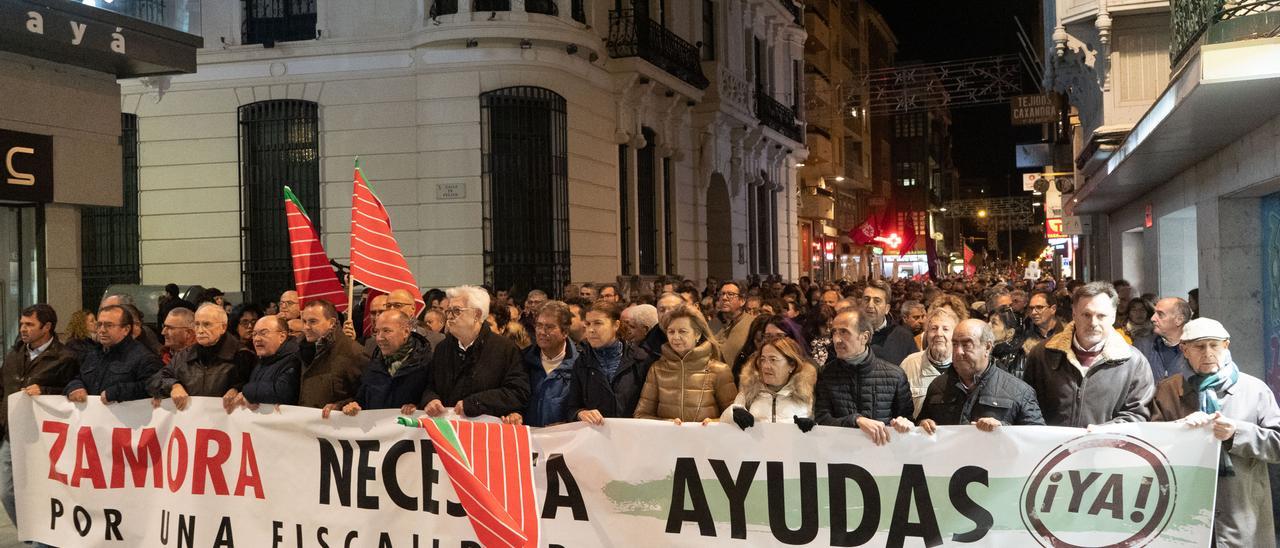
942,30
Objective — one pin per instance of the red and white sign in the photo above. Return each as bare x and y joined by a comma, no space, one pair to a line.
1053,228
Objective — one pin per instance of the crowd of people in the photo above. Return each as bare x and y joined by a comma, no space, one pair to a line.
881,357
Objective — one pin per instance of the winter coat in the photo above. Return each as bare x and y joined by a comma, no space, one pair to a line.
920,373
548,392
691,388
331,370
1010,356
275,379
489,377
121,371
733,336
205,370
872,388
1243,515
51,371
997,394
893,343
1117,388
590,388
379,389
1150,347
794,399
653,340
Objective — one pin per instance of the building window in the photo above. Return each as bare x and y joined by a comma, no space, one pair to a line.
545,7
647,204
708,30
109,235
669,216
491,5
443,7
526,188
753,230
764,228
269,21
579,13
624,208
279,144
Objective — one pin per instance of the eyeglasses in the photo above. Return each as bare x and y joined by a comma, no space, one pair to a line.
773,336
288,303
247,322
1037,308
455,312
400,305
264,333
728,295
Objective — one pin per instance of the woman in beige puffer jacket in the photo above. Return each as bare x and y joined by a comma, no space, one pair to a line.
689,382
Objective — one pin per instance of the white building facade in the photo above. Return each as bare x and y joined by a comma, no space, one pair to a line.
521,143
1177,164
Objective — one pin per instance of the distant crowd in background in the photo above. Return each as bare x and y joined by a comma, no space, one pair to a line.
883,357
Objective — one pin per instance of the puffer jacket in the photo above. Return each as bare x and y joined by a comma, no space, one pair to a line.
691,388
205,371
51,371
997,394
794,399
1010,356
872,388
590,388
548,391
121,371
379,389
331,370
1117,388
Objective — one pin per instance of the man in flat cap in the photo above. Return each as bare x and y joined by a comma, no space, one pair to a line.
1244,417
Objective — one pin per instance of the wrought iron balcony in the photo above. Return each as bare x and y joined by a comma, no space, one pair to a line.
797,14
631,35
1214,21
777,116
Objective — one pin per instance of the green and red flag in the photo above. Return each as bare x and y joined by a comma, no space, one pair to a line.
313,277
376,260
491,468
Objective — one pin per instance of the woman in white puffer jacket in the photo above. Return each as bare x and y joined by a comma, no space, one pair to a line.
776,385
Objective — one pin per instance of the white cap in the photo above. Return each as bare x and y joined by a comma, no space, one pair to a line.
1204,328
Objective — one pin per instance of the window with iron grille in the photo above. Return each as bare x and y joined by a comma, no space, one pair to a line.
669,215
647,204
109,235
708,30
525,176
269,21
624,205
279,145
764,229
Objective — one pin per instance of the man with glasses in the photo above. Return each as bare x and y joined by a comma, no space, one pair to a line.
475,371
609,293
397,374
732,324
178,331
549,364
290,312
119,367
1042,314
891,342
332,362
529,312
402,301
275,379
217,366
39,364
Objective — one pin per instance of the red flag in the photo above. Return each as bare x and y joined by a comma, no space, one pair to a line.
376,260
969,268
491,468
908,234
313,277
865,233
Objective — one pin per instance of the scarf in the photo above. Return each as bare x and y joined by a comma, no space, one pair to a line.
610,358
1209,385
396,360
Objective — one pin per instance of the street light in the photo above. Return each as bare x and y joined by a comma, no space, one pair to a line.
942,209
839,178
982,213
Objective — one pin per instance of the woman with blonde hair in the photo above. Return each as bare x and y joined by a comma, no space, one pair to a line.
80,330
690,381
776,386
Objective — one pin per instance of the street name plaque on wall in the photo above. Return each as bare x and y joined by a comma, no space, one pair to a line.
451,191
26,167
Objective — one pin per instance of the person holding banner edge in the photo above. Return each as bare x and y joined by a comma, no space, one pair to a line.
474,370
776,386
972,391
689,382
858,390
1244,416
550,364
609,374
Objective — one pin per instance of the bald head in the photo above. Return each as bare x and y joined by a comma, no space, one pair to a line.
289,308
402,300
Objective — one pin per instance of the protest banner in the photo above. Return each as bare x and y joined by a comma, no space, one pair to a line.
130,475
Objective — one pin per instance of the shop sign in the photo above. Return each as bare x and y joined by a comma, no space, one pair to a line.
1029,110
1053,228
26,174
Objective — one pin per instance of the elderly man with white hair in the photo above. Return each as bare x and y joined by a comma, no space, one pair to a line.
474,371
639,319
1242,411
218,365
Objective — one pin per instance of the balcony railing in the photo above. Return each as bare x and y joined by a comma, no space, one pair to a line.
797,14
638,36
1213,20
269,21
777,116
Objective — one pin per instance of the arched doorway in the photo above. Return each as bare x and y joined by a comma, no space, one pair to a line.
719,229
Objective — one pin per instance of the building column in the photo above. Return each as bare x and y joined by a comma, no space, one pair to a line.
62,259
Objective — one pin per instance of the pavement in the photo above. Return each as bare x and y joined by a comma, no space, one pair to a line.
8,533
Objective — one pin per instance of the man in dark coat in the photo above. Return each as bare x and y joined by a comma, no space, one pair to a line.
217,366
474,371
397,374
549,364
169,301
1087,374
119,367
890,341
38,364
858,390
971,391
275,379
332,361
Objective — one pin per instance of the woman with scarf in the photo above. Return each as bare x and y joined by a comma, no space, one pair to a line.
776,386
689,382
1138,319
608,374
1008,353
1242,412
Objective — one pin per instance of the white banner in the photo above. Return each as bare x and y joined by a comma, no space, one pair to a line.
129,475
